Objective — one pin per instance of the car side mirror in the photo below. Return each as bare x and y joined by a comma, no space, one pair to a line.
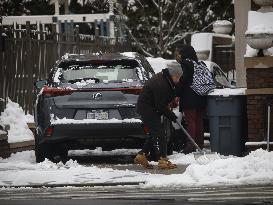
40,84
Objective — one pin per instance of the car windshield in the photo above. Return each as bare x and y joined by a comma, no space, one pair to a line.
100,71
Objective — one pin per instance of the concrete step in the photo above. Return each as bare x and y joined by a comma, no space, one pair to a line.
21,146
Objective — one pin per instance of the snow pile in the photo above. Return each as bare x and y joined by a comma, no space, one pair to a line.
14,116
256,168
29,118
251,52
159,63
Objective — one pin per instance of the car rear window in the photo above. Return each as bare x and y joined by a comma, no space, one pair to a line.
111,71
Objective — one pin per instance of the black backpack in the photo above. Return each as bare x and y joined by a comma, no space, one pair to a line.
203,82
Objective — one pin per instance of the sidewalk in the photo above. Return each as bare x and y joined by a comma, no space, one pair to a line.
138,168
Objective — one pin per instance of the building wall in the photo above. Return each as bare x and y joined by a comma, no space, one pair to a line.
259,78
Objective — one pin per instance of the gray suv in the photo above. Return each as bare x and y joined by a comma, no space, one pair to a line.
89,101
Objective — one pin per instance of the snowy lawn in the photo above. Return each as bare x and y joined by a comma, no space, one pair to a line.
256,168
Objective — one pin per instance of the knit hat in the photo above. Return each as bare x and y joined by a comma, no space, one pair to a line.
174,68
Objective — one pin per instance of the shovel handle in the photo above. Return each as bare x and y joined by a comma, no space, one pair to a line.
189,137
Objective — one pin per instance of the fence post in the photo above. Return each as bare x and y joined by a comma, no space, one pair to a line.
77,39
29,58
55,43
2,73
97,40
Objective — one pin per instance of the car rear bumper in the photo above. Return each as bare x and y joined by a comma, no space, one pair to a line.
92,135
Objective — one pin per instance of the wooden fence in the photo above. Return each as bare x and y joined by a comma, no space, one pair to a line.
28,55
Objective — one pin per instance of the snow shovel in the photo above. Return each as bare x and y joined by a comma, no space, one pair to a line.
203,159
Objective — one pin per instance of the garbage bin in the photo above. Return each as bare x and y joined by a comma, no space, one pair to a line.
227,123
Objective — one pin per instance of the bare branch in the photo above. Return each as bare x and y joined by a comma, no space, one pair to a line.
166,8
139,45
131,36
203,29
175,39
172,27
156,4
174,13
138,1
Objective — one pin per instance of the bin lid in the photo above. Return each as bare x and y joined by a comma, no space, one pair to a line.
228,92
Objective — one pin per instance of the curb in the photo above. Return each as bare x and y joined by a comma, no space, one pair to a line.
74,185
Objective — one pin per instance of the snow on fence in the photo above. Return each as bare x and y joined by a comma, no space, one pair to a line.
27,55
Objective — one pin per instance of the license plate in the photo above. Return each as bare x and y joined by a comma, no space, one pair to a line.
98,115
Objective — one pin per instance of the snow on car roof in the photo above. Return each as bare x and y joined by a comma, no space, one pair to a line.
100,56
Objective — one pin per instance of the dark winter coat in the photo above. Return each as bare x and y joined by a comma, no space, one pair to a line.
188,98
156,95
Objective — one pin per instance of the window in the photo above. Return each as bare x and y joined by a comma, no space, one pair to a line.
111,71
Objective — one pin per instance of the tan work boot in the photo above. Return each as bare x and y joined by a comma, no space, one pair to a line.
142,160
164,163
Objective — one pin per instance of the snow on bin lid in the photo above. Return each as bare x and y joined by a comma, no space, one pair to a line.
228,91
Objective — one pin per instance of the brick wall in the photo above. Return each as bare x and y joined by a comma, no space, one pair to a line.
257,117
259,78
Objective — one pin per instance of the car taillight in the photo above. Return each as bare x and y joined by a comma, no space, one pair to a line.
146,129
52,91
134,91
49,131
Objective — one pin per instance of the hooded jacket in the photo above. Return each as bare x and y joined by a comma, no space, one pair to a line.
188,98
156,95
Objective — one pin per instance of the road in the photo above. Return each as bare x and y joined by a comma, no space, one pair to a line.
135,195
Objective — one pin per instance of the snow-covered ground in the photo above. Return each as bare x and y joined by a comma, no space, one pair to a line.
256,168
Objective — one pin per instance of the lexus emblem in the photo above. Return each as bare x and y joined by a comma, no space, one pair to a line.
97,96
